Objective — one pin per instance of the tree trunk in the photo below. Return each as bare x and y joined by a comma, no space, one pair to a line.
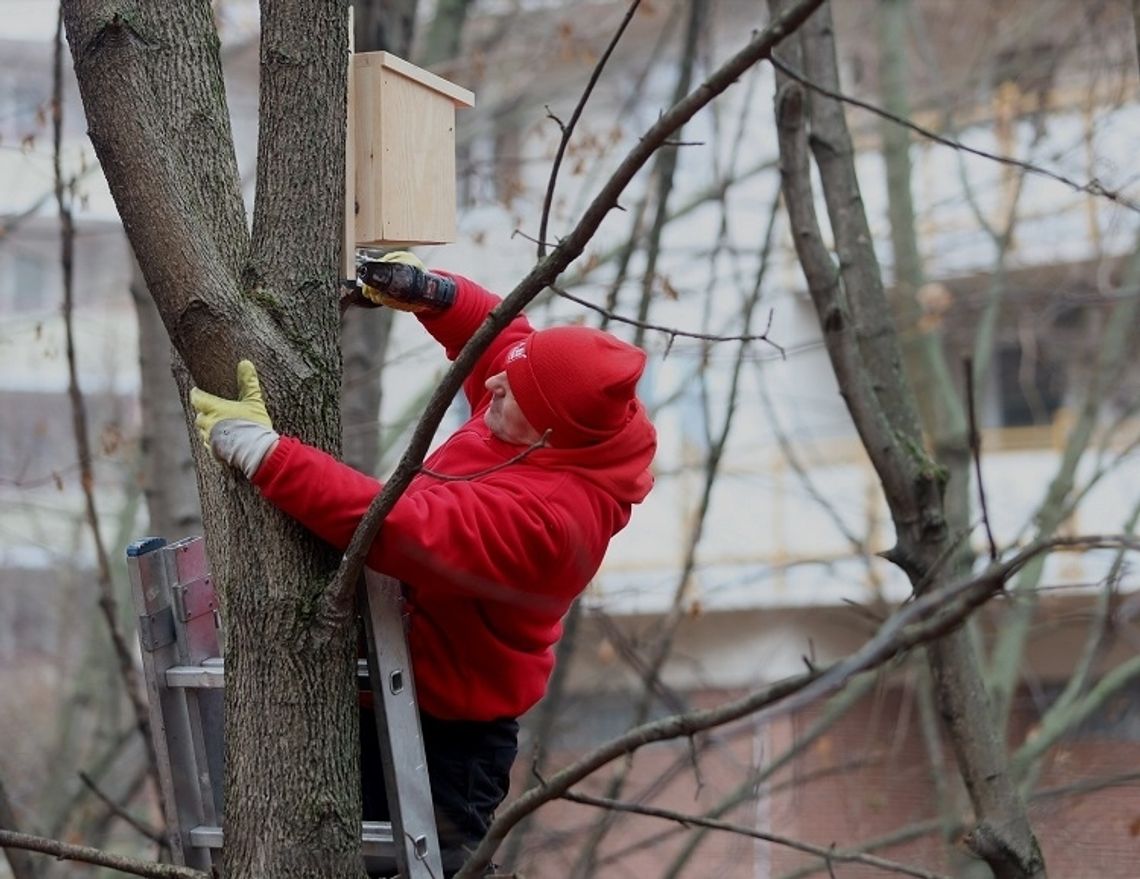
152,87
924,357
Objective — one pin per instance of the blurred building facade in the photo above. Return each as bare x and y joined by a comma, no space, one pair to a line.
786,565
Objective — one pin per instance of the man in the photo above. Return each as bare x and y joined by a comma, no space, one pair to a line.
501,530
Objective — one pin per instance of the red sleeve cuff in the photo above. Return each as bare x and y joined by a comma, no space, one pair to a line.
453,327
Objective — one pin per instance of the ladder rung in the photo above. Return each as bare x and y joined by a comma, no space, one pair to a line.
375,838
210,674
205,836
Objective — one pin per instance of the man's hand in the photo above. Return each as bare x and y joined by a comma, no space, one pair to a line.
404,257
238,432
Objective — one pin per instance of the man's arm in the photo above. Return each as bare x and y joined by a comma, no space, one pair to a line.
453,327
461,537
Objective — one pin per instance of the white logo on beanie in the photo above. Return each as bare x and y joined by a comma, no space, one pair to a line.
517,353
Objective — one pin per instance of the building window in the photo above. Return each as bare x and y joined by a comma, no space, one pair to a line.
22,110
1030,387
25,285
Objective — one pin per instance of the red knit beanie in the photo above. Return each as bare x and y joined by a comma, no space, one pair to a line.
577,382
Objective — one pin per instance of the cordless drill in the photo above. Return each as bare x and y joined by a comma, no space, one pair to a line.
398,285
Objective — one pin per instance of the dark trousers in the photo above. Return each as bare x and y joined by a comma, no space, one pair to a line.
469,766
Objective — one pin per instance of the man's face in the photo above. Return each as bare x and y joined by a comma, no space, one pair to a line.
504,418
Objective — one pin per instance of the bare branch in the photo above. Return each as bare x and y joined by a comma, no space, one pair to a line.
976,451
64,852
1093,187
568,128
671,332
823,280
137,823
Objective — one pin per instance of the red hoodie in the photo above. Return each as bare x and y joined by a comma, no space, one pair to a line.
491,560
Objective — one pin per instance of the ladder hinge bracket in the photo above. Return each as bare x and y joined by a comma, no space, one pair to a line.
194,599
156,630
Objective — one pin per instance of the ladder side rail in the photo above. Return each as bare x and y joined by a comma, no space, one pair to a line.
197,624
169,715
398,722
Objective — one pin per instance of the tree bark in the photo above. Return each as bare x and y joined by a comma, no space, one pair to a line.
152,87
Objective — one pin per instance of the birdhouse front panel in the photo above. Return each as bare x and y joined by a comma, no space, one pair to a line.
405,152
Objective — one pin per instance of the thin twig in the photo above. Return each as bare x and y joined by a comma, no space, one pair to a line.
568,128
1093,187
758,780
798,780
107,602
672,332
662,177
137,823
976,453
829,853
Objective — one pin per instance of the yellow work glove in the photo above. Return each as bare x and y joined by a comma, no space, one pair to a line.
380,298
238,432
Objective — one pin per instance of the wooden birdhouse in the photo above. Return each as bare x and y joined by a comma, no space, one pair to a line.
402,123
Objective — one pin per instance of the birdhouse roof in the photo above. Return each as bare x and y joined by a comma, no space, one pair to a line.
461,97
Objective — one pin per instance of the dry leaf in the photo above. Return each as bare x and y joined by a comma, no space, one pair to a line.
607,653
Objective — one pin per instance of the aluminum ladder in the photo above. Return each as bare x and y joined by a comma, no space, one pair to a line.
181,639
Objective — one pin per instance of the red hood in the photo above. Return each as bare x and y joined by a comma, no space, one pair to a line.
620,465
